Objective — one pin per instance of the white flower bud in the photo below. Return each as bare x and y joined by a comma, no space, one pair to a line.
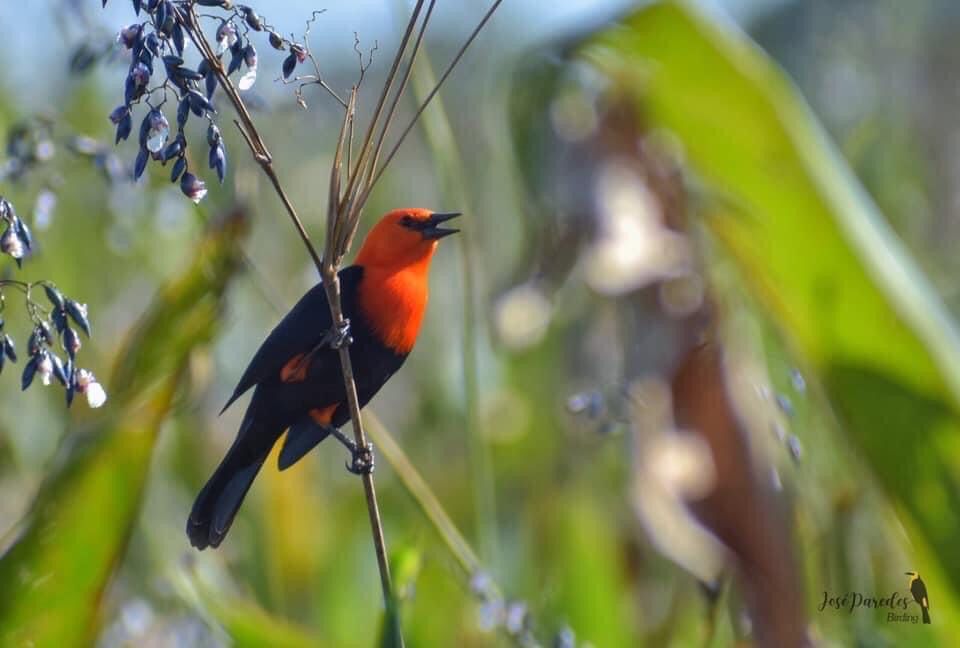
96,396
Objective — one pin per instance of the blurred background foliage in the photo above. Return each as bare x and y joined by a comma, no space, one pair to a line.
624,168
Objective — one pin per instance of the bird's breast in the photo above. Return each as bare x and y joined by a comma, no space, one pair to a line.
393,303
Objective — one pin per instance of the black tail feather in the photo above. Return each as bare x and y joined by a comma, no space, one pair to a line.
302,437
926,615
218,502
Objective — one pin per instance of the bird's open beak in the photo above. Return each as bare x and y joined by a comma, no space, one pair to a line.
433,231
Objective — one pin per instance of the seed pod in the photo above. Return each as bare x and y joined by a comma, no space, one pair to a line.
11,244
59,317
34,343
175,148
213,135
236,56
289,64
152,43
199,103
54,296
188,74
58,370
9,349
71,342
211,84
218,161
78,313
71,382
226,36
124,128
193,187
163,10
28,372
183,112
129,35
178,168
43,330
178,38
251,17
140,74
300,51
140,164
118,113
24,233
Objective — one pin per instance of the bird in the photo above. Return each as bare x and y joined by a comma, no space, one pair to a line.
296,374
919,591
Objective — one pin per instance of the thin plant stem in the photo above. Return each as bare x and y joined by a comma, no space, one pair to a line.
356,173
371,169
328,272
436,89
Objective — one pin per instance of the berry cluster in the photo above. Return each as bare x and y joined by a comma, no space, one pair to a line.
51,326
157,44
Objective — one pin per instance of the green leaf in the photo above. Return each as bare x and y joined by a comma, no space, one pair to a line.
812,249
246,622
53,576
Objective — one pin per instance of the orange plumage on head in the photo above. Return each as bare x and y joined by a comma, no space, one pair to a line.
395,258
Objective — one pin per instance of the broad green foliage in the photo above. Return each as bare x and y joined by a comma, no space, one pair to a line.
813,251
52,578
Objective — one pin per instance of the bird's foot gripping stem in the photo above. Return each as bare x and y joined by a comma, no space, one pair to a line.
339,335
361,459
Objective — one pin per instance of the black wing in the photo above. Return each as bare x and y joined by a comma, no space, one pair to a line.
298,332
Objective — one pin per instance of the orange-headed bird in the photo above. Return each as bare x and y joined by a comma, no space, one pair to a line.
296,371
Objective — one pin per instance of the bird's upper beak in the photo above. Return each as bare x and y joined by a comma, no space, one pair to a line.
432,229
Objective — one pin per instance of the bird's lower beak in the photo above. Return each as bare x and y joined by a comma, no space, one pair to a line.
433,231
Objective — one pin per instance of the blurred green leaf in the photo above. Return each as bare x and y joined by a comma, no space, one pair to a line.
53,577
812,249
243,619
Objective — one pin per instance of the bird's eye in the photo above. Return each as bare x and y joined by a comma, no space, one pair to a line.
406,221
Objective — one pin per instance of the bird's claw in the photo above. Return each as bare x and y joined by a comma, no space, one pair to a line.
361,461
339,335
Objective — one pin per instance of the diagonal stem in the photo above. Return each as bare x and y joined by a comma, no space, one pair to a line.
372,168
363,156
247,128
429,98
